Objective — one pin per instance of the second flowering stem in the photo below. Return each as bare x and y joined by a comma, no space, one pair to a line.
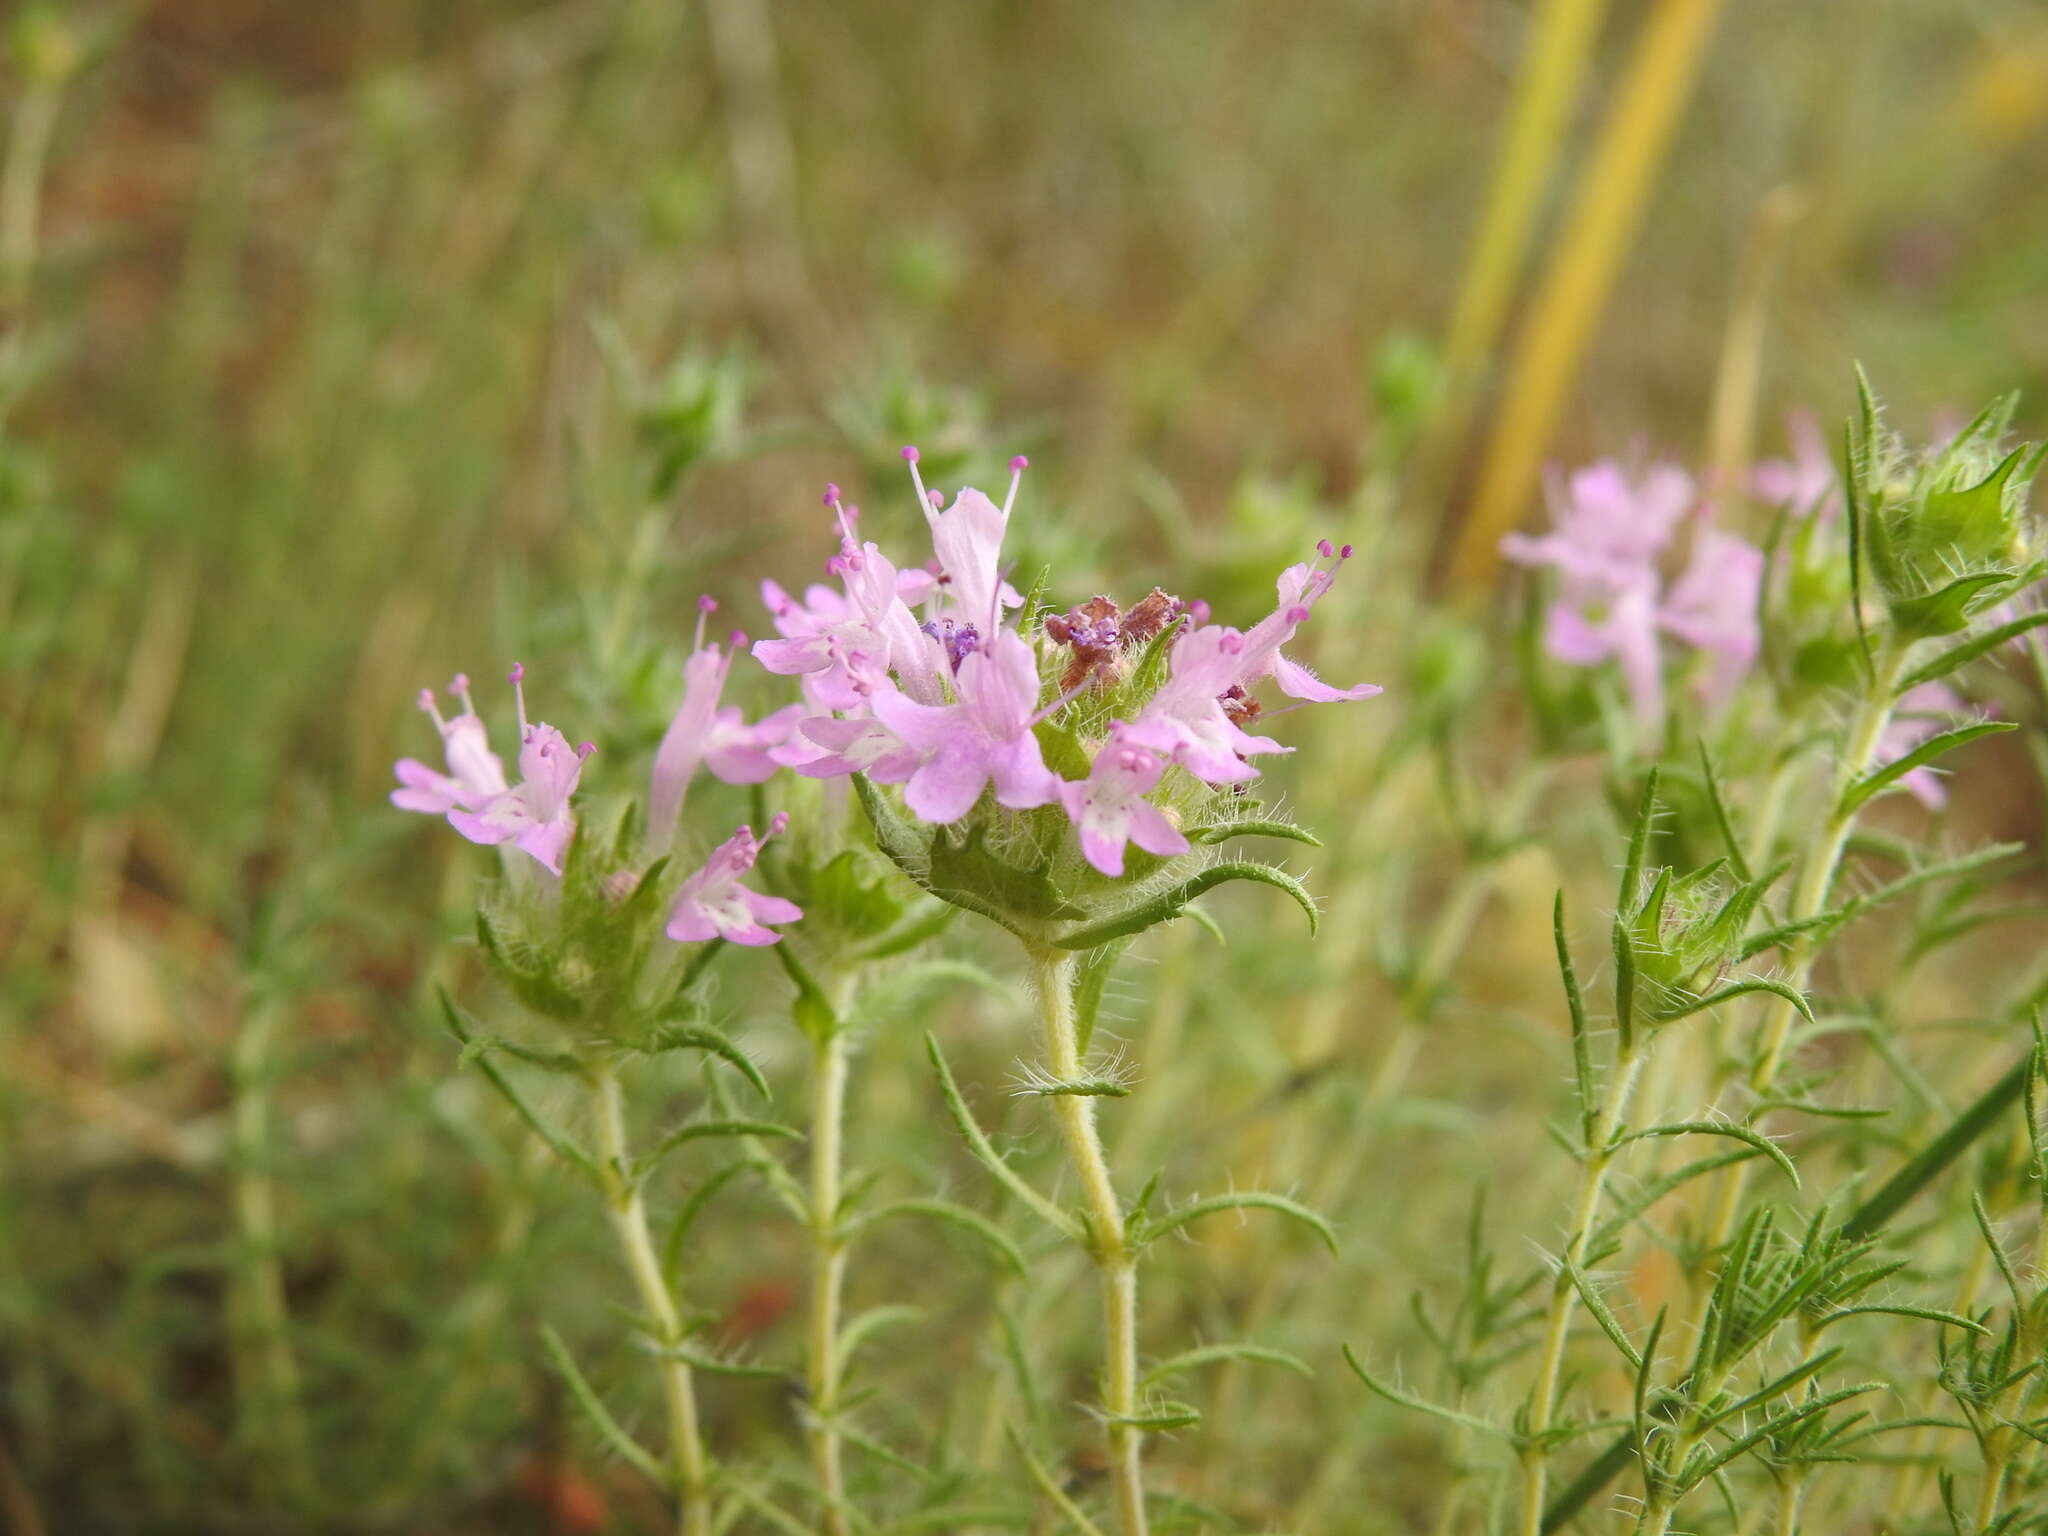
1115,1262
828,1264
689,1465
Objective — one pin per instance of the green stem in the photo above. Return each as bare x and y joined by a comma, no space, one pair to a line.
1599,1156
688,1462
1114,1261
828,1273
270,1411
1810,899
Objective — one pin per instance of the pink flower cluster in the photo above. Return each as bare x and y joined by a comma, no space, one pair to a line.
535,816
1609,534
946,705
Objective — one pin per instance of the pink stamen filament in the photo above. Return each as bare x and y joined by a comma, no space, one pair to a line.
1017,467
518,680
433,710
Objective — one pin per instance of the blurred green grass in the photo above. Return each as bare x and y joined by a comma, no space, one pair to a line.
310,403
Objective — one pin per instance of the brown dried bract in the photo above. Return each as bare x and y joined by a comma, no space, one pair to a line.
1152,613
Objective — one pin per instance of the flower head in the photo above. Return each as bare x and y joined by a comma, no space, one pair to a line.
712,904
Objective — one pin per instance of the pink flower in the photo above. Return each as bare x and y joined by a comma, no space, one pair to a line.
712,904
983,737
533,815
1713,606
845,649
474,771
1187,719
1607,534
1300,587
968,539
1922,713
1804,483
1110,807
704,735
1194,717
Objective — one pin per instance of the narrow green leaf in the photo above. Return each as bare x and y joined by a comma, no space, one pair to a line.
1728,1128
1091,978
599,1415
1742,988
677,1240
1222,831
702,1037
1174,1221
1729,840
556,1142
703,1129
1596,1305
1050,1487
1928,1314
1401,1399
1861,791
1980,644
974,1224
1167,904
1220,1354
871,1322
1927,1164
1582,1048
985,1153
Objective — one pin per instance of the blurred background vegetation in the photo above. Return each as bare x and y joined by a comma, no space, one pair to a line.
349,344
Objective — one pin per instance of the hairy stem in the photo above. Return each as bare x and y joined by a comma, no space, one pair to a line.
688,1462
1599,1156
828,1273
1114,1262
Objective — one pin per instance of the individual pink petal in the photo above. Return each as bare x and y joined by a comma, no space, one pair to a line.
1152,831
945,788
1297,682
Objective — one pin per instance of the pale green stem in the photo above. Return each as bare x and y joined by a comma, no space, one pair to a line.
828,1274
1599,1156
270,1409
1114,1261
688,1462
21,183
1790,1494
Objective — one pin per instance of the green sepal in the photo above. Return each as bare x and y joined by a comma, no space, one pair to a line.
969,875
1949,608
